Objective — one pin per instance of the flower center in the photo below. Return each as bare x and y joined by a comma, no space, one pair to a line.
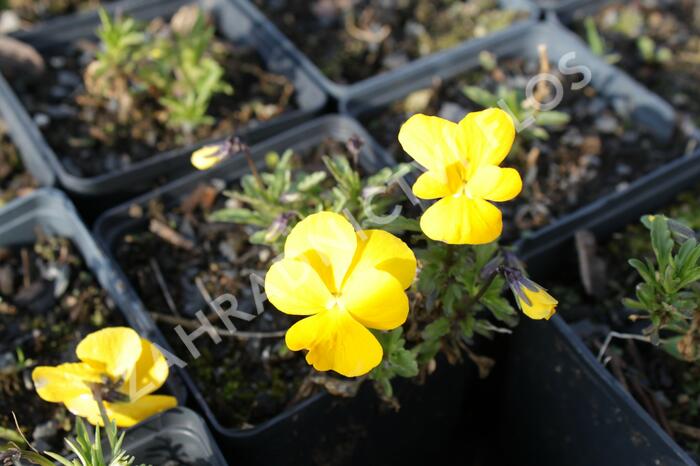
108,391
336,302
464,191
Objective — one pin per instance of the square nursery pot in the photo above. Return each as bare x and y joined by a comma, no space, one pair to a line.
56,17
233,23
343,92
52,212
321,429
645,109
178,435
583,414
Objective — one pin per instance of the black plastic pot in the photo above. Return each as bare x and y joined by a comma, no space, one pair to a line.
583,415
344,93
646,109
563,8
351,431
175,435
53,212
570,10
232,22
41,171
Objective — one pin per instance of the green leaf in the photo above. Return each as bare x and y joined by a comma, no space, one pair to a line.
552,118
480,96
670,345
41,461
641,268
595,41
436,329
661,240
310,181
239,216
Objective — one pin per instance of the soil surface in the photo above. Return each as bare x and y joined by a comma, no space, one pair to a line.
598,152
178,261
671,30
48,302
14,180
98,144
352,40
30,12
669,389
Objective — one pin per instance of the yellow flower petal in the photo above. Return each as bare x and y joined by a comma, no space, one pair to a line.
542,304
124,414
375,298
495,183
381,250
327,241
149,374
486,136
63,382
336,342
117,348
205,157
431,141
294,287
434,184
460,220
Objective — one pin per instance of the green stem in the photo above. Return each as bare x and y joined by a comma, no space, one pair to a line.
472,300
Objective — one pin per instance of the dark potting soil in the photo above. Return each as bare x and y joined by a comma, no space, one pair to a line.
14,180
86,135
354,40
667,388
671,28
178,261
34,11
48,302
598,152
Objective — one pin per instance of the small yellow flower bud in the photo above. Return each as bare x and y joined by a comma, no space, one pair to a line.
534,300
207,156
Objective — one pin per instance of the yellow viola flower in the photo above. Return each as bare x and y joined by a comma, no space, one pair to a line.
122,366
462,161
345,282
207,156
533,300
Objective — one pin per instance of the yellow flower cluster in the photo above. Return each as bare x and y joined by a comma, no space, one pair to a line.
345,282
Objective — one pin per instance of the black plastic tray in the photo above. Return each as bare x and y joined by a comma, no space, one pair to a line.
232,22
178,434
552,377
53,212
344,93
646,109
116,222
316,425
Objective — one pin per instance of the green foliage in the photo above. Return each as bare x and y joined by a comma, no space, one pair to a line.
398,361
597,43
85,446
651,53
669,293
538,121
459,301
120,39
287,194
177,69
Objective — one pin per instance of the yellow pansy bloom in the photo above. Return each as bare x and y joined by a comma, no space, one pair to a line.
534,300
122,366
462,172
346,282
